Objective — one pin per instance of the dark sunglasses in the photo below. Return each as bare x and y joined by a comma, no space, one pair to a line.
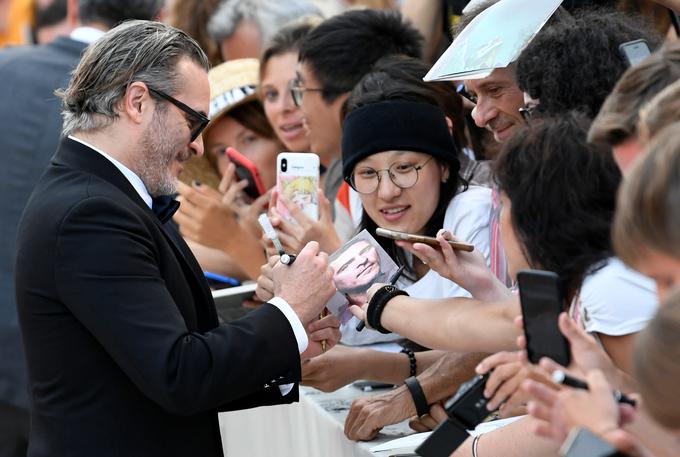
198,121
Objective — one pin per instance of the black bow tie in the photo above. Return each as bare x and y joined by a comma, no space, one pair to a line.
164,206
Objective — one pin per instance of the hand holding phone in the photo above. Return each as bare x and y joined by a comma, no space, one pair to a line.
403,236
542,300
297,180
246,170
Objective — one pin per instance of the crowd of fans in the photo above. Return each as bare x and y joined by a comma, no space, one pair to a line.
567,160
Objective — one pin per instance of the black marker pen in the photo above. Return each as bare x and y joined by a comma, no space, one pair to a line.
563,378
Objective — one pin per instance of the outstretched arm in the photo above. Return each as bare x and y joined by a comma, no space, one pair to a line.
452,324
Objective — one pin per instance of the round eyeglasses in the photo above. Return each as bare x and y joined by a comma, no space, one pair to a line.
366,180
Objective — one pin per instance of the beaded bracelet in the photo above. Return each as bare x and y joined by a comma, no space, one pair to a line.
412,364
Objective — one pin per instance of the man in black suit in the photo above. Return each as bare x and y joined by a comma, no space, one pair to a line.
29,135
125,354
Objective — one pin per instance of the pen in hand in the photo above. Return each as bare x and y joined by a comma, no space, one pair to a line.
563,378
392,281
286,259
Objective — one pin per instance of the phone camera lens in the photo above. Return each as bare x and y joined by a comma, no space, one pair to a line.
284,165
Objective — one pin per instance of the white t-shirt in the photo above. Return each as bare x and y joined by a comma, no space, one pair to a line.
467,217
616,300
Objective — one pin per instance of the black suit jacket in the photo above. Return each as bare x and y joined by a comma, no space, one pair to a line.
30,127
125,354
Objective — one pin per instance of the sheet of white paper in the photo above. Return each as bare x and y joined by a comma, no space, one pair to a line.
494,39
410,441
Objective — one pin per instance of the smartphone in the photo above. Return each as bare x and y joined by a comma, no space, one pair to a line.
542,301
634,52
582,443
297,179
245,169
468,405
395,235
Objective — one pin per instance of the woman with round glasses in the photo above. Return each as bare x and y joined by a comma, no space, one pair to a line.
400,157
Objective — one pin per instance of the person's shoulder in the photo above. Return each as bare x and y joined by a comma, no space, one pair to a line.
617,300
474,199
62,50
469,214
616,276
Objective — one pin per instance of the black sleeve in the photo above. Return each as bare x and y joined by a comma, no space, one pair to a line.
107,274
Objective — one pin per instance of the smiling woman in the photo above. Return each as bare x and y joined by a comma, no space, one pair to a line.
399,155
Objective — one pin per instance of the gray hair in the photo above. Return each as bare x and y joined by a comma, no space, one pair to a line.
268,15
113,12
143,51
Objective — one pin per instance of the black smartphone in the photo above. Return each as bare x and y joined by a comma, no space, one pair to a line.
542,301
634,52
465,410
583,443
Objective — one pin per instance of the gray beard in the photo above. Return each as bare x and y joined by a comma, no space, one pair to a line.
158,155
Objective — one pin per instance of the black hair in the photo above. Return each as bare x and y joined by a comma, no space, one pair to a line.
113,12
563,195
51,14
574,65
288,39
400,78
343,48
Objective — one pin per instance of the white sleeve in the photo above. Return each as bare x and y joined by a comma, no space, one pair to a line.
616,300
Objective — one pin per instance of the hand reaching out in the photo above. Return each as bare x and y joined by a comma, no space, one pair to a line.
467,269
294,235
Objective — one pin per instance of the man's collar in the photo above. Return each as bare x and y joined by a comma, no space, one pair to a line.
135,180
86,35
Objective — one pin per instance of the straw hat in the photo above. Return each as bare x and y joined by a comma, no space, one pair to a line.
232,84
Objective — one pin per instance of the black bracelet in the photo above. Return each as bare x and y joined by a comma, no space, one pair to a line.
418,395
412,364
377,305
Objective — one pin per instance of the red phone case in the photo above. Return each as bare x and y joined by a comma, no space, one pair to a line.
254,176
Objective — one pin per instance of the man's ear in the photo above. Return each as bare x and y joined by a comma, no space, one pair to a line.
136,102
449,123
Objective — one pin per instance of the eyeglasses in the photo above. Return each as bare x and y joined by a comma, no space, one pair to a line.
402,174
198,122
527,111
297,91
462,91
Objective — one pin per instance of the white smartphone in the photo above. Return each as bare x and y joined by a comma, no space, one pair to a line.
297,179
